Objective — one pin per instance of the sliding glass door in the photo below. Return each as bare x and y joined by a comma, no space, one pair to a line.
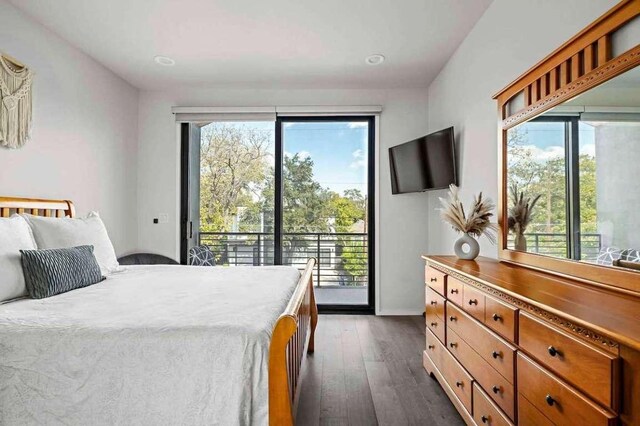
263,193
327,206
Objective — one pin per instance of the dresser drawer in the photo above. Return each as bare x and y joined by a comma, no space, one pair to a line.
436,280
485,412
556,400
590,369
434,303
455,290
499,354
458,379
434,349
501,318
500,390
436,325
528,415
473,302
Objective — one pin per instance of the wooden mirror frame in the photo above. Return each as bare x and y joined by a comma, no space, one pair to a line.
583,62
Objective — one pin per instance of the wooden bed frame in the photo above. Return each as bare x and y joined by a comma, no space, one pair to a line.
293,334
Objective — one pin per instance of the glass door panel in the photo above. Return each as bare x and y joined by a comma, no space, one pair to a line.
326,196
237,192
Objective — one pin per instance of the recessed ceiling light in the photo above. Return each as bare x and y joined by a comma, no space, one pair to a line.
376,59
164,60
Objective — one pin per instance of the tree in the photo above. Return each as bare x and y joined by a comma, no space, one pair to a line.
347,210
588,199
234,161
354,259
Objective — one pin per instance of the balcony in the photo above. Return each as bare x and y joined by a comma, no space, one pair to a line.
341,273
555,244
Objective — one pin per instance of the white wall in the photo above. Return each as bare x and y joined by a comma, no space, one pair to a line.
83,145
403,218
511,36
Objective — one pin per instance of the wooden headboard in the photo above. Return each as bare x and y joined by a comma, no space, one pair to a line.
34,206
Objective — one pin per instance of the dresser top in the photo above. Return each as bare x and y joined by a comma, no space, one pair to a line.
614,314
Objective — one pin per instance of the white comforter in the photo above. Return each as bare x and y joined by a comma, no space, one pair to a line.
153,345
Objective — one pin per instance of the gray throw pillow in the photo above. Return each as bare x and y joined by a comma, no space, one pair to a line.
54,271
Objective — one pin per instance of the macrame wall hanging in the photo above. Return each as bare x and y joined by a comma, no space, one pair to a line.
15,102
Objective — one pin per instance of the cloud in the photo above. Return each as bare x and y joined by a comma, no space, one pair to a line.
588,149
302,155
359,160
358,124
546,154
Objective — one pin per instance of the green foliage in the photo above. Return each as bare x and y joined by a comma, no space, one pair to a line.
347,210
588,203
354,258
306,205
233,164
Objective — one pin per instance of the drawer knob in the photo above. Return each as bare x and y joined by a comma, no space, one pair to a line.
430,346
454,291
496,317
550,400
433,324
452,318
434,302
453,344
496,354
496,389
484,419
552,351
434,280
473,301
459,384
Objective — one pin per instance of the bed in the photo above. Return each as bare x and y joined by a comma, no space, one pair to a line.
157,344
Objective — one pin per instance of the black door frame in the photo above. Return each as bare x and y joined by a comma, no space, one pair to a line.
371,186
279,152
184,191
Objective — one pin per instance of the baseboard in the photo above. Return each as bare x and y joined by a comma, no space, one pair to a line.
400,312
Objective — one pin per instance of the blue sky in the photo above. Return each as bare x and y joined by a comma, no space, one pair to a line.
546,139
338,150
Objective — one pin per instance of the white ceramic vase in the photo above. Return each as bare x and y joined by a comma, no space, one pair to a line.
466,247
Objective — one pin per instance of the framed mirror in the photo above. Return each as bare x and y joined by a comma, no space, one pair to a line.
570,157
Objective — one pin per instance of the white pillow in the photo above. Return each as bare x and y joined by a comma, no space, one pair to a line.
52,233
15,235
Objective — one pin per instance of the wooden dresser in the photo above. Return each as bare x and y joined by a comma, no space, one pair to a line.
512,345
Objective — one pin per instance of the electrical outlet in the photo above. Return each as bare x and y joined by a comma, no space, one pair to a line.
163,218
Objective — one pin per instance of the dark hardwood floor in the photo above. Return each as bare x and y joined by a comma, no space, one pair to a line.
367,370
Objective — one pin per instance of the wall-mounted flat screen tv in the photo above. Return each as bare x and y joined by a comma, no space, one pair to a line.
424,164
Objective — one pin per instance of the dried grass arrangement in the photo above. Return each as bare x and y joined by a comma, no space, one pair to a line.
521,210
477,223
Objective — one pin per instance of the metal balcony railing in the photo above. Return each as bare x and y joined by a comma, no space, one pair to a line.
342,257
555,244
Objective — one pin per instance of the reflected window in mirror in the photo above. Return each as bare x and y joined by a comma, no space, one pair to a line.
537,183
573,178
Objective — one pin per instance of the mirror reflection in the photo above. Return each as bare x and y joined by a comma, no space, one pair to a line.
573,178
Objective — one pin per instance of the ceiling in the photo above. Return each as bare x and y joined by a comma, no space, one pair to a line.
264,43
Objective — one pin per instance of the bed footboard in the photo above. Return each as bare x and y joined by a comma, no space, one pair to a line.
293,337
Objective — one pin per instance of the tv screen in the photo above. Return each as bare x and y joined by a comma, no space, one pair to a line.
423,164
